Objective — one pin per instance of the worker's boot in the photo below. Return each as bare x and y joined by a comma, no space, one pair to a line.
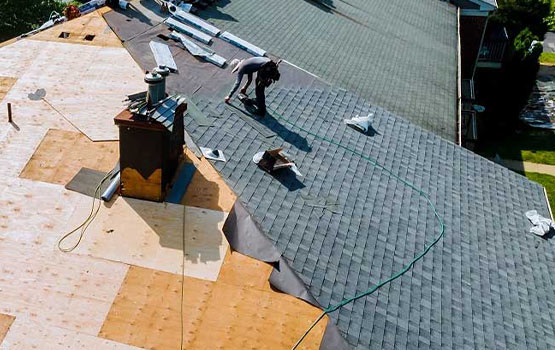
242,97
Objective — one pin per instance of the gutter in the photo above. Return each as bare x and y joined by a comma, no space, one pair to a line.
459,82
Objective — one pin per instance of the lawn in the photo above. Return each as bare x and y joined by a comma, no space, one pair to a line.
546,181
536,146
547,58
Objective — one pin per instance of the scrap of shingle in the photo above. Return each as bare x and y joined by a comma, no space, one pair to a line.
401,55
488,282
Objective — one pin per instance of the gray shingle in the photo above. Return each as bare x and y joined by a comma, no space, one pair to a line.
400,55
487,284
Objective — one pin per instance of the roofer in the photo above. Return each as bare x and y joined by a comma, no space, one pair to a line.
266,73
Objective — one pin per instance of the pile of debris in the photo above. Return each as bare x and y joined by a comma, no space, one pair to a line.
540,109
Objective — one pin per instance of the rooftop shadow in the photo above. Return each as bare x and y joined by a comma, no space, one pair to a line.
214,12
291,137
288,179
202,235
324,5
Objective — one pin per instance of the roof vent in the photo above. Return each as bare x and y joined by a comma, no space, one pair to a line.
154,81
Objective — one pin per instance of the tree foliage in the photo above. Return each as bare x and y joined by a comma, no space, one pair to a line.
523,44
20,16
517,15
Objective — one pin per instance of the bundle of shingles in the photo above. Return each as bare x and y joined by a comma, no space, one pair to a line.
162,111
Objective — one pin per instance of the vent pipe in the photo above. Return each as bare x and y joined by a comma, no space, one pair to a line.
164,72
154,81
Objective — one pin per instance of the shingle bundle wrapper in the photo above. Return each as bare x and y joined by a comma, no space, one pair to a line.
360,123
541,225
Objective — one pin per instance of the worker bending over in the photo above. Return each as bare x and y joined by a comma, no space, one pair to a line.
266,73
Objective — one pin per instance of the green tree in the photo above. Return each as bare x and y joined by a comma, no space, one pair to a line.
20,16
517,15
523,44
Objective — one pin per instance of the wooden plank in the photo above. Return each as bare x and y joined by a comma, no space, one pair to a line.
90,24
5,324
16,57
135,185
59,290
8,42
39,282
242,271
61,154
33,213
216,315
88,96
26,334
207,188
150,234
6,84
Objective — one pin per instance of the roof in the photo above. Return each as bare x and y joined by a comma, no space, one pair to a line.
342,227
402,57
476,5
492,3
146,275
346,224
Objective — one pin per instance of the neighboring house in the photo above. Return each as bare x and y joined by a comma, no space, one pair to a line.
474,15
482,45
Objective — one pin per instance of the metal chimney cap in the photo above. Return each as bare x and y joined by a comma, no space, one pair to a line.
153,77
162,70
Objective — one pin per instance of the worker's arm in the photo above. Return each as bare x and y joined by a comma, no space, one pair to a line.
247,84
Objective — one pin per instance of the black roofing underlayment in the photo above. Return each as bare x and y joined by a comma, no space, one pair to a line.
487,284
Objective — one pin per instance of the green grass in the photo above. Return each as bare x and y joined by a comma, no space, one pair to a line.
546,181
547,58
536,146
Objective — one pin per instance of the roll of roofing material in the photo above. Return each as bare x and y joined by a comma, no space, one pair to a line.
109,193
194,21
190,31
198,51
245,45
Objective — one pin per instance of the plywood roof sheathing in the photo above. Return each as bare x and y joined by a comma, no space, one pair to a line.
150,234
61,154
78,28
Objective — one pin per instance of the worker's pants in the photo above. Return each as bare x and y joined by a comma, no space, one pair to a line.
260,99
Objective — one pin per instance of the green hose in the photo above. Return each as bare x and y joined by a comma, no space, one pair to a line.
407,267
86,223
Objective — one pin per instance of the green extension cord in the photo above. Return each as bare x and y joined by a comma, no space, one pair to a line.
408,266
85,224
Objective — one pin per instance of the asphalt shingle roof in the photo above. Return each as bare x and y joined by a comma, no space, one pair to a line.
487,284
401,55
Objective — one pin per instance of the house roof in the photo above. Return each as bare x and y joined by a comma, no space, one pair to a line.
146,275
491,3
346,224
401,56
342,227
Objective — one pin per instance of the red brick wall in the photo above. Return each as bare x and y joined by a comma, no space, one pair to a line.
472,29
